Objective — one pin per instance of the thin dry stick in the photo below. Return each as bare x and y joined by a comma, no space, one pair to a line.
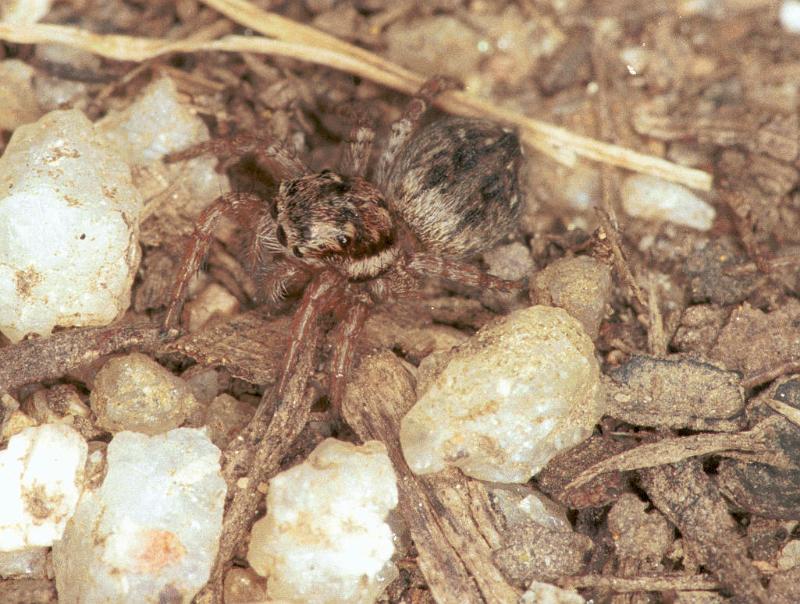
767,375
556,141
673,450
49,358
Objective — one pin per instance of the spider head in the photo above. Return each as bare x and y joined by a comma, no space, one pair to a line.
327,218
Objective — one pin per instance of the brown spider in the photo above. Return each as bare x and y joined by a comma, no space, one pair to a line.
440,195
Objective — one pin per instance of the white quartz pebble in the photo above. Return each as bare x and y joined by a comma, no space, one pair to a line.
156,123
69,219
544,593
519,391
135,393
41,473
324,538
20,12
789,16
654,198
150,532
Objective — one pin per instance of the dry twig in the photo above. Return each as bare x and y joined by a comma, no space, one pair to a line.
673,450
49,358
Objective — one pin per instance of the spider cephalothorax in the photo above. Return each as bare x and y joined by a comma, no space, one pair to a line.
437,197
328,218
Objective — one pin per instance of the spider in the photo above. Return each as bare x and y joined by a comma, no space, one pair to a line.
439,195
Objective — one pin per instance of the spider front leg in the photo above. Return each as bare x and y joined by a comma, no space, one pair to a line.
273,156
461,272
344,340
240,204
357,148
403,128
318,298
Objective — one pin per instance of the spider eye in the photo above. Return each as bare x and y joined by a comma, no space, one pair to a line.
296,251
281,235
343,240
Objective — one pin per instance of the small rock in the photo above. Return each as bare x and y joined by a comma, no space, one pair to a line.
67,58
544,593
580,285
653,198
155,124
20,12
511,262
69,219
436,45
204,382
519,391
151,531
42,476
225,417
26,563
136,393
140,129
789,16
14,423
18,103
580,187
790,555
708,277
325,538
243,586
641,538
537,553
214,302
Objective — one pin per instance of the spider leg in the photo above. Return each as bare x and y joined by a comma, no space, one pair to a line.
344,339
273,156
461,272
403,128
318,298
357,148
241,204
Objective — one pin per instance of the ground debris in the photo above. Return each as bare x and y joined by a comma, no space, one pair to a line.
689,499
771,340
708,279
769,487
28,591
688,490
558,475
675,392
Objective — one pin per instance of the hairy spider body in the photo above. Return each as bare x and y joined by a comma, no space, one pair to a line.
440,196
456,186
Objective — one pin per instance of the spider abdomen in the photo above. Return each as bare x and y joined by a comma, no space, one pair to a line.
456,185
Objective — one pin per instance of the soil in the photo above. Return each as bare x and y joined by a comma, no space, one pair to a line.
689,489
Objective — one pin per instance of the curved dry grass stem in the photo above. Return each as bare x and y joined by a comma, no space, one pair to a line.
304,43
